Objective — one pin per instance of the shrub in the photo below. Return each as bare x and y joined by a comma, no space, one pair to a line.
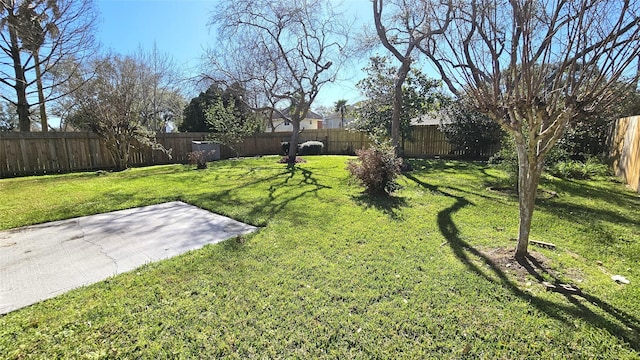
199,158
306,148
587,138
472,134
573,169
557,154
507,160
310,148
376,169
570,169
558,163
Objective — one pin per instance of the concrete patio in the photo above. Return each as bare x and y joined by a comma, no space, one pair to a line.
41,261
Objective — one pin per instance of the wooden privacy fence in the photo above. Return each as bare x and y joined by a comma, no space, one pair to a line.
36,153
625,150
427,141
39,153
336,142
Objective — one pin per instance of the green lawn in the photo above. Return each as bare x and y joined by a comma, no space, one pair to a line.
333,273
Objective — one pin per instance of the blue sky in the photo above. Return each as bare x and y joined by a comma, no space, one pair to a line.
179,28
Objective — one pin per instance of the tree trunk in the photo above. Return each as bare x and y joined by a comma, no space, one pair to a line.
529,171
43,111
270,120
22,107
122,155
293,144
401,76
118,147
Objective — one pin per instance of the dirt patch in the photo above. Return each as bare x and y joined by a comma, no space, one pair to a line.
285,159
535,264
535,268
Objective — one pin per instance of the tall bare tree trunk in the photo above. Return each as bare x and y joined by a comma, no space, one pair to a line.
22,107
43,111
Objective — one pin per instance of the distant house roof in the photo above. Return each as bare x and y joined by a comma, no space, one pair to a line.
337,116
310,114
432,118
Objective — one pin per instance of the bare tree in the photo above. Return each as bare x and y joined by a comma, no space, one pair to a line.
163,102
281,52
110,100
401,25
535,66
35,37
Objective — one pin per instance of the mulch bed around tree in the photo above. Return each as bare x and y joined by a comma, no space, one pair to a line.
285,159
503,258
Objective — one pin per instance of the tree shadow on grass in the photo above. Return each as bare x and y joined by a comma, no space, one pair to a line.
586,307
617,195
286,187
389,205
571,211
446,164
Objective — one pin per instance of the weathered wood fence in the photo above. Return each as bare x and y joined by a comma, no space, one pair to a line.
60,152
625,150
36,153
427,141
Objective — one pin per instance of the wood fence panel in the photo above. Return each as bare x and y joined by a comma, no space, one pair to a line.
24,153
80,152
625,150
57,152
427,141
12,150
43,156
36,153
180,145
178,150
265,143
75,149
56,158
410,148
4,161
89,153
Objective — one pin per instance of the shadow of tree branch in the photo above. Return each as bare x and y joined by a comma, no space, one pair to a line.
627,327
281,192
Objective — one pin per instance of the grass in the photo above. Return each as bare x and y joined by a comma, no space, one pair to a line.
334,273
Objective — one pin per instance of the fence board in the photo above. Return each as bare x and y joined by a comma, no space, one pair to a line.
625,150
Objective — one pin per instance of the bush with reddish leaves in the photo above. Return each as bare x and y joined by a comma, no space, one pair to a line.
376,169
200,157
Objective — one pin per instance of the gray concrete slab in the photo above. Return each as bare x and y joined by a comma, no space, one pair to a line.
41,261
